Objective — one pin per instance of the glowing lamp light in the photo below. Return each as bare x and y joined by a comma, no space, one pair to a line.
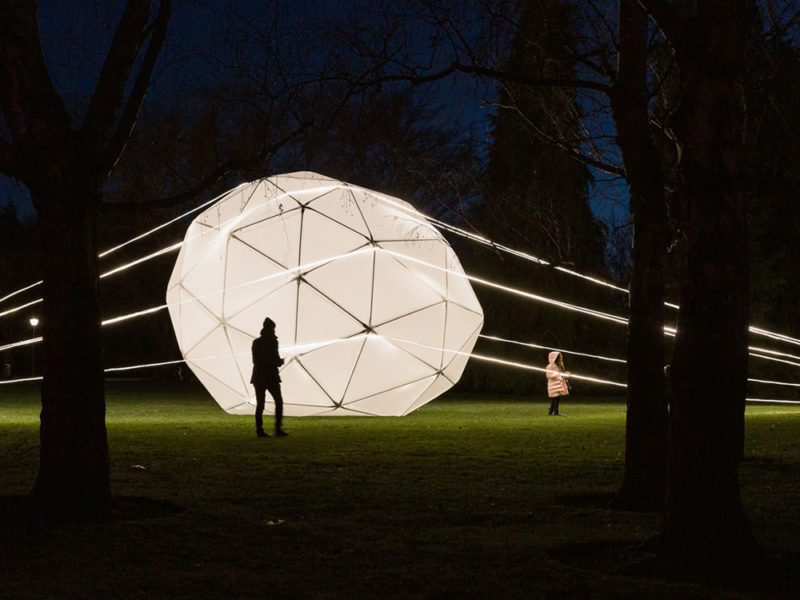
34,321
373,312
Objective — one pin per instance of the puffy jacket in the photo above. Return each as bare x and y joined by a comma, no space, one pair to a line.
556,385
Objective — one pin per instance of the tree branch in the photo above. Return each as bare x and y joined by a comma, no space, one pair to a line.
110,90
665,17
33,111
119,139
496,74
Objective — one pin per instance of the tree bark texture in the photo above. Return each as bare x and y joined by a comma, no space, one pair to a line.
73,483
704,525
646,423
65,168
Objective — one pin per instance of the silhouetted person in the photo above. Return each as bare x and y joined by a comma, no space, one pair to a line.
266,361
557,385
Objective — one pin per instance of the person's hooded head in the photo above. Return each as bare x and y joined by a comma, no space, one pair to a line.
268,327
554,358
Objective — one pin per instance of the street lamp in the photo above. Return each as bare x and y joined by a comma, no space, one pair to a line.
34,321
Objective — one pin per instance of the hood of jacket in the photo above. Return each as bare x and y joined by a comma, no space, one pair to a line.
553,357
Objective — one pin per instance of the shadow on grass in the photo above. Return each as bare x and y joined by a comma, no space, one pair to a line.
778,577
21,523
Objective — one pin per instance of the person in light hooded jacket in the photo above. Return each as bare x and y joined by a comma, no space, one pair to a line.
557,385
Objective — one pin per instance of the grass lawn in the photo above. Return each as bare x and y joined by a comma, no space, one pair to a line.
470,496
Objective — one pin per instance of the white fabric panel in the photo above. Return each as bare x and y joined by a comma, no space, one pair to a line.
225,396
197,321
251,256
395,402
461,324
426,256
277,237
210,267
320,320
249,274
280,304
397,290
382,366
439,386
459,289
223,366
348,283
298,387
424,329
332,365
324,238
454,370
340,205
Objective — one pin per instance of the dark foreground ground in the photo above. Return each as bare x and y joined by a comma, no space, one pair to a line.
474,497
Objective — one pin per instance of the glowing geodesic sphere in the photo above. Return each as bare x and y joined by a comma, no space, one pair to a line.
373,314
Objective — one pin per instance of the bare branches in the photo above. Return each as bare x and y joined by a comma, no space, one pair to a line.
121,58
416,78
33,111
664,15
128,118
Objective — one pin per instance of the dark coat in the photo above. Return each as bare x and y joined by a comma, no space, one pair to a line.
266,359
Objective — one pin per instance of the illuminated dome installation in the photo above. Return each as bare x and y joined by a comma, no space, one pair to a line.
373,313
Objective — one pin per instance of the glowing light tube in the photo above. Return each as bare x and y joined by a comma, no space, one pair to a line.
531,345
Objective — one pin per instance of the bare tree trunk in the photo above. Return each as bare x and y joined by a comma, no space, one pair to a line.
646,424
73,481
705,525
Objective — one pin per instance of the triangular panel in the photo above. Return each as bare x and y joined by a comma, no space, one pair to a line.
398,291
277,237
420,333
347,282
382,366
394,402
427,259
439,386
196,322
324,238
338,204
457,363
319,320
249,275
461,323
304,390
459,289
332,365
204,280
217,347
224,395
280,306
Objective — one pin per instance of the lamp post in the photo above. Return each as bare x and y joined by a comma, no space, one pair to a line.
34,321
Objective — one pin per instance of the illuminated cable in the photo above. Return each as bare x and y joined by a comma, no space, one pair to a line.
18,308
531,345
19,291
170,222
7,381
35,340
510,290
780,360
773,352
166,250
786,383
509,363
768,400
